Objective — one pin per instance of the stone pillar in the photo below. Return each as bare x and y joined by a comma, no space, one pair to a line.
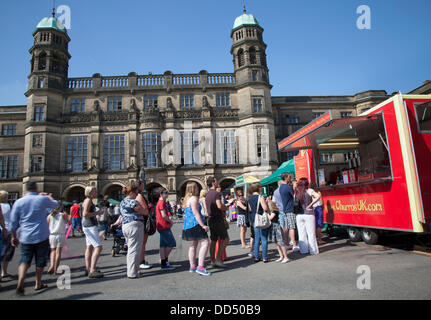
97,80
133,80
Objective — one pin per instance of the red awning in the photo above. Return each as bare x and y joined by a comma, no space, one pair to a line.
325,128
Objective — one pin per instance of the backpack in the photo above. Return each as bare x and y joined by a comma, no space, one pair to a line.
150,224
150,221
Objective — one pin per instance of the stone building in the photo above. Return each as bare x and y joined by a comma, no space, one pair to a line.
103,130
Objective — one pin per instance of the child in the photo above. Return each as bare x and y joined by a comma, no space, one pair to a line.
57,227
277,232
163,225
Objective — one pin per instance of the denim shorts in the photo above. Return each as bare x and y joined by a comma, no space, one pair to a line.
76,223
167,239
39,250
287,220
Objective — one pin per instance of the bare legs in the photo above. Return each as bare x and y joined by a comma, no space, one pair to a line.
57,259
220,252
202,253
51,261
212,251
289,234
292,237
4,273
242,236
91,256
22,271
319,235
143,248
164,253
282,251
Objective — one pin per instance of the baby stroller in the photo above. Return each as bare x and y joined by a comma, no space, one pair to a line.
119,245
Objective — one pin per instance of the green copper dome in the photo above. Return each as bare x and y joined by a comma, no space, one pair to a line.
245,19
51,23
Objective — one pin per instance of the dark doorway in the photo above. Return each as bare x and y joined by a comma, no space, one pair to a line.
115,192
75,193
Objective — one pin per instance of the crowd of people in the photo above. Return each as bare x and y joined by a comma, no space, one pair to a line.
40,225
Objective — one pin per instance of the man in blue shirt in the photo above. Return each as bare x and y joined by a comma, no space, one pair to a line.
29,214
287,218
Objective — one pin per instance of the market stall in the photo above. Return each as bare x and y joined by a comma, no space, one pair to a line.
270,183
243,182
371,168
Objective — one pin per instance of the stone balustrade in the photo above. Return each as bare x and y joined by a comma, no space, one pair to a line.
185,80
165,81
221,78
157,81
115,82
224,113
81,83
154,114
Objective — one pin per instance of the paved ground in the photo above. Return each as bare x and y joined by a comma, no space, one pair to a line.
395,274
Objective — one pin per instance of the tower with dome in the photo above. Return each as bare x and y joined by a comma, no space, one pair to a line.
108,130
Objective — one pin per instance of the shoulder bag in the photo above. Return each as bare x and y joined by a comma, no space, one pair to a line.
261,221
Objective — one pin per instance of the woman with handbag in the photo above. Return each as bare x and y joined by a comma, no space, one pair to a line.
305,219
132,219
259,220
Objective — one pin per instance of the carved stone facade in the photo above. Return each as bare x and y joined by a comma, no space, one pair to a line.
101,131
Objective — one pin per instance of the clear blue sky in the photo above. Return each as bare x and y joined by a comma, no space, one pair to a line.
314,46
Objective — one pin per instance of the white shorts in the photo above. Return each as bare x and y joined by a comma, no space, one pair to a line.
57,241
92,236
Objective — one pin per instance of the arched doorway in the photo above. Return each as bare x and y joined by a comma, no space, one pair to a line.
182,191
115,192
75,193
226,184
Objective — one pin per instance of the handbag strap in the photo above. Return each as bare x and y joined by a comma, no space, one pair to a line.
258,205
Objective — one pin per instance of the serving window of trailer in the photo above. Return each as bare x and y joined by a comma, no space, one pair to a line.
423,115
345,151
352,150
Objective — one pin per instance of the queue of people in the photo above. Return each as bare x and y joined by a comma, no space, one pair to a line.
42,223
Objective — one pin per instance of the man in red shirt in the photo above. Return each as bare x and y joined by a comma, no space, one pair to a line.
75,210
163,225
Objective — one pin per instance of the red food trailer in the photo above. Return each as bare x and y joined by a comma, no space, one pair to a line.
372,169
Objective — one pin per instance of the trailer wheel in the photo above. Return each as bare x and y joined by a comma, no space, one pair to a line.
354,234
370,236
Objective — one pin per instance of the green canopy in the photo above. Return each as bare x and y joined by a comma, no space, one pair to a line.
113,202
288,166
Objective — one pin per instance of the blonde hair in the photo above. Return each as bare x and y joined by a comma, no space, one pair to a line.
273,206
54,212
203,193
3,196
131,187
191,190
88,191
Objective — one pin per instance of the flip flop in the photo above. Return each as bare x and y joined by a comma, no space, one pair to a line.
42,287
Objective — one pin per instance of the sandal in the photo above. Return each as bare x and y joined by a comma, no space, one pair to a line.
42,287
